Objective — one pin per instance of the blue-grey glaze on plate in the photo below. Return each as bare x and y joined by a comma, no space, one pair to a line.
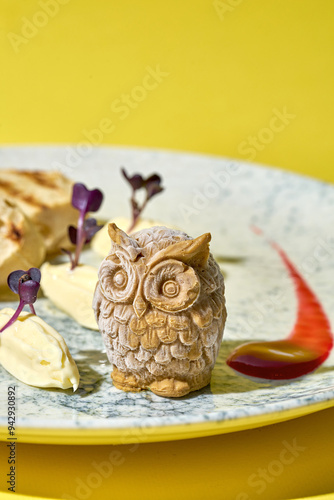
202,194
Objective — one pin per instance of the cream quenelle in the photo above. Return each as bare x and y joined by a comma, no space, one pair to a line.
71,290
71,286
35,353
101,240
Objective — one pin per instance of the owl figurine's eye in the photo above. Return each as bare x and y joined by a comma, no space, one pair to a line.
117,279
120,279
172,286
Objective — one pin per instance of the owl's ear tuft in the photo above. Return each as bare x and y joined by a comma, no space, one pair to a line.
117,235
194,253
121,239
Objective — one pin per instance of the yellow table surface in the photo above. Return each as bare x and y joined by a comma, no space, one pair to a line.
238,78
242,465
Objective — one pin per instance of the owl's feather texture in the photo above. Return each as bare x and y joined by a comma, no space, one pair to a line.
164,333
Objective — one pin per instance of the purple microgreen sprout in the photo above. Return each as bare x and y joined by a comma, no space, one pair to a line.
26,284
85,201
152,186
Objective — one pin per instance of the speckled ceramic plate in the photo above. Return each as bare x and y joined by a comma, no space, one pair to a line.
202,194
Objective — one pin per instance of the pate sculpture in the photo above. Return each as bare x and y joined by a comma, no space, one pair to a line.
160,307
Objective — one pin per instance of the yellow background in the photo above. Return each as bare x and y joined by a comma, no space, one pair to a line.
229,64
228,68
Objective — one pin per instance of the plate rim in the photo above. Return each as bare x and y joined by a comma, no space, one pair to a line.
116,436
167,151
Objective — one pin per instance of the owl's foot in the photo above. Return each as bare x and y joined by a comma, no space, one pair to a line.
127,383
167,387
170,387
174,388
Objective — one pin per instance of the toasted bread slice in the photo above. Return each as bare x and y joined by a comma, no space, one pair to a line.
21,245
45,197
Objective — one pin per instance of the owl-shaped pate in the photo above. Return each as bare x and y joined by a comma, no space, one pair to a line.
160,307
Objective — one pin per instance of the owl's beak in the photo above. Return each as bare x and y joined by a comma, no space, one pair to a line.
139,306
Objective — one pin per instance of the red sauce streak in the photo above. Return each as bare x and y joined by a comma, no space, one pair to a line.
304,350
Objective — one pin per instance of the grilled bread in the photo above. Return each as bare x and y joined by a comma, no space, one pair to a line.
21,245
45,197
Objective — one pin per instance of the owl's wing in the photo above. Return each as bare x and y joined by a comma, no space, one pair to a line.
211,277
97,302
